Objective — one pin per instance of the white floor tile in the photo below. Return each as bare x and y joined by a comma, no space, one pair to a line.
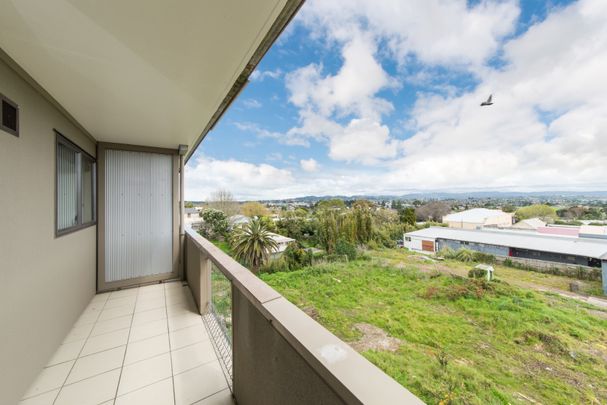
119,302
49,379
199,383
192,356
144,349
116,312
105,341
221,398
148,330
66,352
184,320
91,391
97,363
160,393
79,333
187,336
42,399
144,373
111,325
147,305
129,292
148,316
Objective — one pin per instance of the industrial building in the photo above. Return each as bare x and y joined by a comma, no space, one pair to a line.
559,249
477,218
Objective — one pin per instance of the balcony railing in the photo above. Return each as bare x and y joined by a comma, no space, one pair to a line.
279,355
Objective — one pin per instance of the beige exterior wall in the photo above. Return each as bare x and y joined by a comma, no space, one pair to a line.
502,221
45,282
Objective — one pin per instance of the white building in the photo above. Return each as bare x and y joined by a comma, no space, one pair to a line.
477,218
530,224
282,242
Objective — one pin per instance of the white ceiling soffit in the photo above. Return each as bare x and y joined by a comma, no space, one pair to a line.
143,72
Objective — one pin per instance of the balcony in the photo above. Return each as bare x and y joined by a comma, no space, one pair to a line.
223,336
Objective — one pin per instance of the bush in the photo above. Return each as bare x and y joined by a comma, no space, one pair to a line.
345,248
477,273
465,255
447,253
215,224
484,257
296,256
275,266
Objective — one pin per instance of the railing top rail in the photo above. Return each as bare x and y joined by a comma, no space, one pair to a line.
349,374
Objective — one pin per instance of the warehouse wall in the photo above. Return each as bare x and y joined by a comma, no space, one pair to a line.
478,247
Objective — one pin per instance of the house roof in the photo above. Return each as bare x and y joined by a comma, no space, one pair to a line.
531,222
474,215
281,239
144,72
595,248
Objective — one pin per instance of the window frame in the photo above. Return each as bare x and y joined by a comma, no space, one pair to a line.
60,139
14,132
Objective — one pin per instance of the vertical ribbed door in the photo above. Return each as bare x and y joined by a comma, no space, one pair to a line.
138,215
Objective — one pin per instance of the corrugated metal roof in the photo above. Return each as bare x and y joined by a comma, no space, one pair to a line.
546,243
475,215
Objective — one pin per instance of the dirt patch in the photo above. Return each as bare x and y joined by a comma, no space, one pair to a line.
311,312
597,313
374,338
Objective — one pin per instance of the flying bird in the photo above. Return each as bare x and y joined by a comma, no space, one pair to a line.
488,102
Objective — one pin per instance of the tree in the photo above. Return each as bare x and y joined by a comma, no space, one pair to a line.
508,208
542,211
254,209
215,224
223,200
252,244
406,215
432,211
188,204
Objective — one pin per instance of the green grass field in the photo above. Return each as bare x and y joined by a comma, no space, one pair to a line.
462,341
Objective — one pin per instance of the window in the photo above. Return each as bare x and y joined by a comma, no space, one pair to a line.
407,239
9,116
76,184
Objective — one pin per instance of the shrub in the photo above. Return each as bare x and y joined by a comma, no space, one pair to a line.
215,224
447,253
296,256
275,266
465,255
477,273
345,248
484,257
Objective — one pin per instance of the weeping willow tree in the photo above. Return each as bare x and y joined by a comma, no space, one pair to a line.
354,225
253,244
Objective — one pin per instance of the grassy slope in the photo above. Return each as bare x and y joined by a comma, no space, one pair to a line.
509,344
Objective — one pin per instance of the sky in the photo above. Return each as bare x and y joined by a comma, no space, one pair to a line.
365,97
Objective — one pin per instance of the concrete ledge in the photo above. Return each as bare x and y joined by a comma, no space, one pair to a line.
260,311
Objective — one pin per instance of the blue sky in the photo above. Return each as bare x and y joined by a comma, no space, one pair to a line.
363,97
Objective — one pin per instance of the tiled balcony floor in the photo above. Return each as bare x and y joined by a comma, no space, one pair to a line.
144,345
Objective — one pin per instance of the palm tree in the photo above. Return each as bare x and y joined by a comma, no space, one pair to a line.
252,244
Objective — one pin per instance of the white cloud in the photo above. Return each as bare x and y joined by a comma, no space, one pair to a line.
206,175
309,165
435,31
251,103
548,126
260,75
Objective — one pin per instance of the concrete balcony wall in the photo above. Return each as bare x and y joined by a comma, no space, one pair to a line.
45,282
280,354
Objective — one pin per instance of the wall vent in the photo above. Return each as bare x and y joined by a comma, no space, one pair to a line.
9,116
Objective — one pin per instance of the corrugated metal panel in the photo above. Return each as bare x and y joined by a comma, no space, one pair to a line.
138,214
67,187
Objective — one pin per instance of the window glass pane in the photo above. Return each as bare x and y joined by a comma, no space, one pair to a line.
87,190
67,187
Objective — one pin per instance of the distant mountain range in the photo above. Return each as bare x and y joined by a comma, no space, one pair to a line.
457,196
